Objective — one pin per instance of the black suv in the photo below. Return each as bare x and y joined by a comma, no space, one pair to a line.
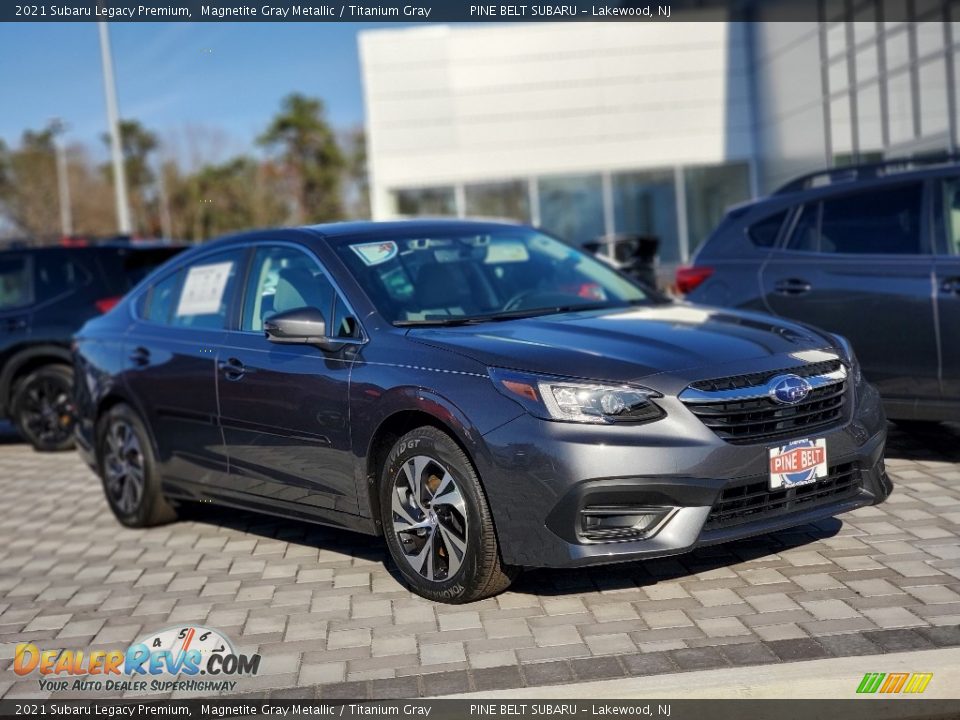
47,294
871,252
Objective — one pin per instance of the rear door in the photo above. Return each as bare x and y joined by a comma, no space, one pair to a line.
284,408
860,264
171,364
947,261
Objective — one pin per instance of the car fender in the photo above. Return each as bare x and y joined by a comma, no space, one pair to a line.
22,357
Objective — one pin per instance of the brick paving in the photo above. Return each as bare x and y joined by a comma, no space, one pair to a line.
330,620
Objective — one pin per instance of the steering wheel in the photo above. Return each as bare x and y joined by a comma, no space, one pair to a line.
516,302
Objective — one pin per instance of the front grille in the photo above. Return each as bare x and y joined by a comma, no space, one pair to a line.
753,500
738,382
756,420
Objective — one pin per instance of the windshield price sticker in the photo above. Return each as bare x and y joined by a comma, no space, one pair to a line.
376,253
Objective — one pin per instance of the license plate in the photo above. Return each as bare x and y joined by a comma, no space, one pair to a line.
799,463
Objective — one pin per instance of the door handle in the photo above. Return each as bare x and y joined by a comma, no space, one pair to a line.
792,286
951,285
140,357
233,369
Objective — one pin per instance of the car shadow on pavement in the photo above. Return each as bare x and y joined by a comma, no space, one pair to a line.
9,435
924,441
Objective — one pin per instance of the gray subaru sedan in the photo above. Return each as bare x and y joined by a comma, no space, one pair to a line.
484,396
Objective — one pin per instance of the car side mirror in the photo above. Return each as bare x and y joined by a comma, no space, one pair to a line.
300,326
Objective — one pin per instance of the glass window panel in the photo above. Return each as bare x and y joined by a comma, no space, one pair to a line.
804,237
14,282
426,201
929,38
869,125
207,291
572,207
645,203
162,298
885,222
710,191
283,279
900,107
507,200
933,97
898,50
951,213
839,79
867,63
763,233
836,39
841,129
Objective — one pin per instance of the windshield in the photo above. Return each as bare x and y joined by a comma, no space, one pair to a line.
508,272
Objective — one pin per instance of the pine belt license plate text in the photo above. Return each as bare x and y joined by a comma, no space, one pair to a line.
800,463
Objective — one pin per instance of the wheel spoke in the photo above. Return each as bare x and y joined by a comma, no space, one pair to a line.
456,548
413,470
449,494
423,561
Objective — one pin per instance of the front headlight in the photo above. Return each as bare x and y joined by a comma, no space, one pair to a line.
578,401
849,357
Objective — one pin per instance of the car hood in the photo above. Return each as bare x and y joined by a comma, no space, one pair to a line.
624,345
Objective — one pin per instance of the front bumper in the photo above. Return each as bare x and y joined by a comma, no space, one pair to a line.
540,475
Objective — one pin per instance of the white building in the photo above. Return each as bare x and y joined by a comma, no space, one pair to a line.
641,127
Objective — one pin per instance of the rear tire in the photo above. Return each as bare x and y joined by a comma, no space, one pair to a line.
127,467
436,520
41,407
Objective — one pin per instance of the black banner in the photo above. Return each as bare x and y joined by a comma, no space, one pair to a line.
446,11
866,708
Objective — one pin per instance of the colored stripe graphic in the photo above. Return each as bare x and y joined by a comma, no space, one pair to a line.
870,682
893,683
918,683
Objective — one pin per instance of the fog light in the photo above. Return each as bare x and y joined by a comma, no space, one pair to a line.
608,523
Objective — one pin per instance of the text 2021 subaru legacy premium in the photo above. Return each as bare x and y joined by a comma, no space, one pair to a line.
486,397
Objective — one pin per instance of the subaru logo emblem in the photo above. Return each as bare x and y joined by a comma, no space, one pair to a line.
788,389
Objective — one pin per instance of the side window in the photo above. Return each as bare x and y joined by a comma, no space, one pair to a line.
344,324
281,279
763,233
57,272
159,301
951,214
14,282
805,235
206,291
885,222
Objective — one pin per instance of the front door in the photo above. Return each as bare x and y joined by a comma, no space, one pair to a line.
284,408
860,264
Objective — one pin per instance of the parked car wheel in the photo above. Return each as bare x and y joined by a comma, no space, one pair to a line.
42,408
437,522
128,470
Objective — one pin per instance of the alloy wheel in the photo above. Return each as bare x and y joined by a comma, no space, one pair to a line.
47,412
429,518
123,467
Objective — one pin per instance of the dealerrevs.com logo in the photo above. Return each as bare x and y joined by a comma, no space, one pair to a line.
180,658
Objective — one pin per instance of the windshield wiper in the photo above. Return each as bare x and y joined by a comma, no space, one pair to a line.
514,314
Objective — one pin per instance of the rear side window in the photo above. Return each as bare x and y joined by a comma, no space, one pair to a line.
58,272
879,222
15,289
207,289
763,233
160,299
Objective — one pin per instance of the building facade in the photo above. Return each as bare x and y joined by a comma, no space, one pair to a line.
592,129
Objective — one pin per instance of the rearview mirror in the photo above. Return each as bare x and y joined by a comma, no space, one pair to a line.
300,326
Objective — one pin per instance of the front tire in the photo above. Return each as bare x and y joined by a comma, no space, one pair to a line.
436,520
42,408
128,470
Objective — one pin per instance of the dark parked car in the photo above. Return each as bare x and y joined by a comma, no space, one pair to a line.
47,294
484,396
872,253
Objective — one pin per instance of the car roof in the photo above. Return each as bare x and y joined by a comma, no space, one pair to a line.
417,226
